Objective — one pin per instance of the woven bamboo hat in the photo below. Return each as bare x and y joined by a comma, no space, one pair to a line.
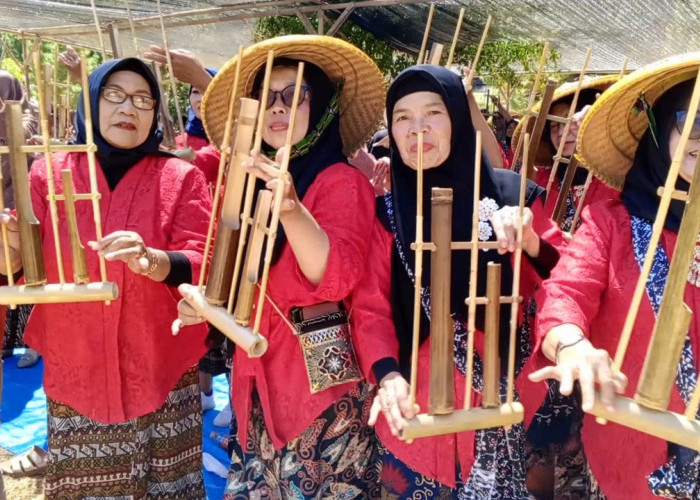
361,100
611,131
565,90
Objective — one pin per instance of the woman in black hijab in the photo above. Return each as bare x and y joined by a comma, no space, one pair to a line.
432,100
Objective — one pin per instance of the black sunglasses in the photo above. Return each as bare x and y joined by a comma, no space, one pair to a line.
286,94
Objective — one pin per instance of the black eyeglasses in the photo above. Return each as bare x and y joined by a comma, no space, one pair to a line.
681,117
286,94
117,96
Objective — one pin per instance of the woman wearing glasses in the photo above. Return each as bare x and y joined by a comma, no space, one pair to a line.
124,412
628,140
301,413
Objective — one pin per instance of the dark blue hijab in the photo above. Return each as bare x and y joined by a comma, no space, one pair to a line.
115,162
194,125
457,172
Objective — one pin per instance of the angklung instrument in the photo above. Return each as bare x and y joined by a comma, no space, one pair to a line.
442,417
36,288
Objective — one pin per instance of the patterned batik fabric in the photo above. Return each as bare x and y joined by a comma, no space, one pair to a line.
15,324
400,482
498,471
336,457
680,476
157,456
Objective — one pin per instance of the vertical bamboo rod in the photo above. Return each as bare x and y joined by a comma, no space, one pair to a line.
455,38
173,81
99,30
579,207
92,166
50,181
3,227
492,366
426,35
475,63
279,194
473,276
566,185
54,97
418,274
517,263
131,26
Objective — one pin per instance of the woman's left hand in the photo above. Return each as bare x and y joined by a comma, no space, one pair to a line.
269,171
505,225
127,246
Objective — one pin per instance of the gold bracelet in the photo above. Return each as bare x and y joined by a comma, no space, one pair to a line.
153,259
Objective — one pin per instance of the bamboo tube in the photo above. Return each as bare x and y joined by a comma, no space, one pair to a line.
29,232
253,344
665,425
425,425
222,259
567,183
517,264
624,66
691,411
455,38
418,275
99,30
68,106
493,318
441,331
278,196
173,81
165,118
54,94
3,227
531,102
579,207
567,126
250,186
658,226
426,35
473,276
246,290
671,329
475,63
58,293
80,272
92,166
114,41
435,53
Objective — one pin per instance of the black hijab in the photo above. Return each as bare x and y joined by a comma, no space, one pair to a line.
457,172
115,162
651,162
306,165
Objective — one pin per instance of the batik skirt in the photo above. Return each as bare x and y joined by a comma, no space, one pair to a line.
323,462
157,456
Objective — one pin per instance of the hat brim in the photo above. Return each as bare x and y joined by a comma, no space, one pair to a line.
610,132
361,101
600,83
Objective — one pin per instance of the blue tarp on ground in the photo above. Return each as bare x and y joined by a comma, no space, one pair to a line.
23,415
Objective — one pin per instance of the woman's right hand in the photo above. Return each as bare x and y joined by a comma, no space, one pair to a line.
186,314
12,225
590,366
393,401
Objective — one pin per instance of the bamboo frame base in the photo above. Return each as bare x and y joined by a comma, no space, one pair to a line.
255,345
425,425
58,293
665,425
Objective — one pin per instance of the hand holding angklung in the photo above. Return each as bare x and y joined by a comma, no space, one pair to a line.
126,246
394,402
505,226
186,314
269,172
10,221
